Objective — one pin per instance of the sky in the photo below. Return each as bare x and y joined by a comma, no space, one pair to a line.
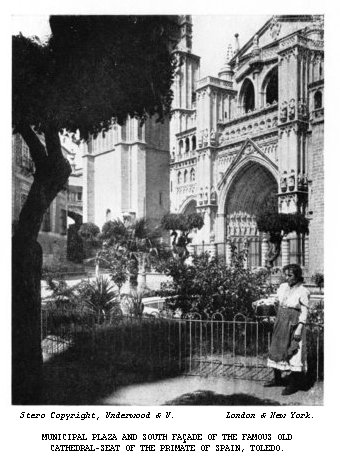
211,34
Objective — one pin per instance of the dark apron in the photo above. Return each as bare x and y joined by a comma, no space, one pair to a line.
283,346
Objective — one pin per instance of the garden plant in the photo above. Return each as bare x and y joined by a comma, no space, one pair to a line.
207,285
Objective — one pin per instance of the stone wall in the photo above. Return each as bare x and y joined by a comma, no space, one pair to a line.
316,203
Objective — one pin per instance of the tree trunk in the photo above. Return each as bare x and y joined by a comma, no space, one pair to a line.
51,175
133,275
273,253
26,322
142,271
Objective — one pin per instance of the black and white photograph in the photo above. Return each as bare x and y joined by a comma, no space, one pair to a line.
168,210
168,219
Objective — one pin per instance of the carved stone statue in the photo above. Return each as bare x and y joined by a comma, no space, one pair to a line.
213,196
201,197
283,111
302,108
200,139
292,109
212,136
291,180
206,196
205,136
283,182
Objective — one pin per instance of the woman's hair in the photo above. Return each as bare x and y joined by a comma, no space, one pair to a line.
296,269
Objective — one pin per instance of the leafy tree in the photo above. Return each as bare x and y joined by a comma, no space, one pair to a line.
90,234
184,224
75,249
92,68
278,225
136,239
118,265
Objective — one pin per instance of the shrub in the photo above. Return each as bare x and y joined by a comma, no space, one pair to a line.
101,299
318,279
61,293
134,303
89,233
52,273
63,319
208,286
316,313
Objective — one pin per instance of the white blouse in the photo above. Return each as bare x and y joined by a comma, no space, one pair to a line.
296,297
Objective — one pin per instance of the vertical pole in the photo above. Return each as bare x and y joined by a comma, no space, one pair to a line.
285,251
222,344
211,345
180,345
190,343
228,252
264,250
201,341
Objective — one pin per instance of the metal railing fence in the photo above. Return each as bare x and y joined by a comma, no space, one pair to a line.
196,345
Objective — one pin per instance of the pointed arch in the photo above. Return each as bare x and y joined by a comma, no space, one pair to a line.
247,96
188,205
270,86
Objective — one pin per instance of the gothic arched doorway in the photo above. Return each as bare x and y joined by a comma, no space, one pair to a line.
189,208
249,190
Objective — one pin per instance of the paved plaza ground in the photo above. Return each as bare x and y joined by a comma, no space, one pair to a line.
194,390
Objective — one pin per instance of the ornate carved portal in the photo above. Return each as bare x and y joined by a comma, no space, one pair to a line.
249,191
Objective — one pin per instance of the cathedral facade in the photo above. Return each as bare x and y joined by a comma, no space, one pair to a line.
252,133
126,173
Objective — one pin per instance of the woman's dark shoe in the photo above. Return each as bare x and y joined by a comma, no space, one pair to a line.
275,382
295,384
292,388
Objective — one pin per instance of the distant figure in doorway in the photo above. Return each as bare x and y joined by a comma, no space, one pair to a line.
288,346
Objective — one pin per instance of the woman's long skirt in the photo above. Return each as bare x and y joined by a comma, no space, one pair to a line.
285,353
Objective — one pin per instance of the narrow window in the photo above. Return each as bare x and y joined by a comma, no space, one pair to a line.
317,100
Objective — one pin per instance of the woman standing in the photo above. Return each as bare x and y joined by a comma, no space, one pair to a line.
288,346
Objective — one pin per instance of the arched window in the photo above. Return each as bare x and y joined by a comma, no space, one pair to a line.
181,147
179,177
272,88
187,145
193,142
248,96
318,100
321,69
192,175
185,176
